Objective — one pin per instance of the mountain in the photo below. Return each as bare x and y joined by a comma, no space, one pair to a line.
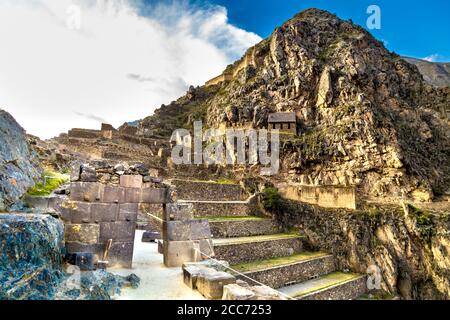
366,116
435,73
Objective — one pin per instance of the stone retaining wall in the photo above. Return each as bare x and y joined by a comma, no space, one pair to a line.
243,228
346,291
280,276
324,196
84,133
223,209
193,190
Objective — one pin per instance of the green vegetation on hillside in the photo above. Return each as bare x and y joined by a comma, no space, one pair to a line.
50,181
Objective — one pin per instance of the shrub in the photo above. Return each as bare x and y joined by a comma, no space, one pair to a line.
271,200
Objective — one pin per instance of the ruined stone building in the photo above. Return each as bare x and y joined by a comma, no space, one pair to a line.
284,121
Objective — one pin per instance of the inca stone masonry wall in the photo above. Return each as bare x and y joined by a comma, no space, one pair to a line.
97,212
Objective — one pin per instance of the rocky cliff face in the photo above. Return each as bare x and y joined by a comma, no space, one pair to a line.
410,249
435,73
19,166
366,116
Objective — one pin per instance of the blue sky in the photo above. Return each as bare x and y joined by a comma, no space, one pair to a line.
83,62
414,28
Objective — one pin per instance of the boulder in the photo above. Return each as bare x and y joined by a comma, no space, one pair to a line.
31,251
19,167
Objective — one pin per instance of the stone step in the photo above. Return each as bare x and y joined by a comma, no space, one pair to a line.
230,227
279,272
254,248
333,286
209,208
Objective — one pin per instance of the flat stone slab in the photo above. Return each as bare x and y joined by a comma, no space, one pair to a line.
210,285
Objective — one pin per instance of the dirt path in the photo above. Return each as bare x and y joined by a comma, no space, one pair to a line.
157,281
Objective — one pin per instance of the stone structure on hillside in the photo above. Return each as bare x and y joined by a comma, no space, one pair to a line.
99,209
283,121
232,71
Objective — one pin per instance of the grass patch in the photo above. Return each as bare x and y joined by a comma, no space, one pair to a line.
270,263
219,181
327,281
245,218
424,221
50,181
423,217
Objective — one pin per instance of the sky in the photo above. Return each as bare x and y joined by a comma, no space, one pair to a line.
77,63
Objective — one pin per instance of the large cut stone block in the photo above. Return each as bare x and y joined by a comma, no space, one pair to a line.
132,195
200,229
186,230
128,212
85,191
55,202
113,194
191,274
121,254
179,212
88,174
104,212
40,203
118,231
76,212
73,247
178,252
129,181
177,230
236,292
84,233
154,195
210,285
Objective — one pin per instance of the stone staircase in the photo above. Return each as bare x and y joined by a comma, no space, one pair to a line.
257,248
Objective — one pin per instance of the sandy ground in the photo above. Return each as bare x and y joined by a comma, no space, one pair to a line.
157,281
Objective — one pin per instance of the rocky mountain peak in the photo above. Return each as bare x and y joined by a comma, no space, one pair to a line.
366,117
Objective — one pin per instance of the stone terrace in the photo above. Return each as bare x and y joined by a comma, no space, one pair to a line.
257,248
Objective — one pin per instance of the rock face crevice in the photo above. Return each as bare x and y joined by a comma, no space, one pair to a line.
411,252
19,167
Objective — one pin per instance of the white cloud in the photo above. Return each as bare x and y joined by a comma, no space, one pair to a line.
122,63
432,58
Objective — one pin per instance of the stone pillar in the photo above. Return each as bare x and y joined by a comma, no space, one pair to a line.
185,239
